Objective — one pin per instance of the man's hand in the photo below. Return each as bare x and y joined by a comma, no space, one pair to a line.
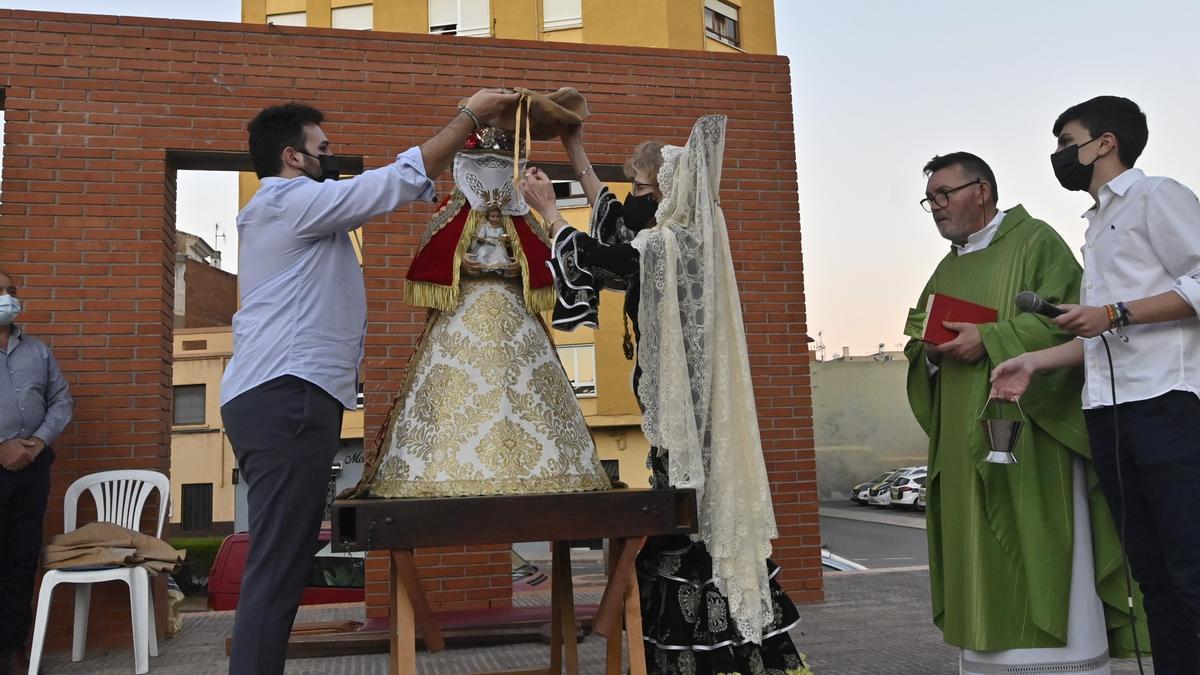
1010,379
487,104
1083,320
18,453
512,270
967,347
539,191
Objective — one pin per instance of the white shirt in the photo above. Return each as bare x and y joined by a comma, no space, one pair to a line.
303,303
980,240
1143,239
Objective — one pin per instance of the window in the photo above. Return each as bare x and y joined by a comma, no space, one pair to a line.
471,18
289,19
612,467
189,404
569,194
357,17
721,22
580,363
561,14
197,507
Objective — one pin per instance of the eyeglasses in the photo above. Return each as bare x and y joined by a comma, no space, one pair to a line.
643,188
941,198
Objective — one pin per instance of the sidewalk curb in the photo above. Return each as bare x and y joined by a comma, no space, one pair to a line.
877,518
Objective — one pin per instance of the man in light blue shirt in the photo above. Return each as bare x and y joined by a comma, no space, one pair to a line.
35,407
297,342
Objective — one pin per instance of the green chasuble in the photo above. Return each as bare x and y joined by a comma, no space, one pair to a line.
1000,536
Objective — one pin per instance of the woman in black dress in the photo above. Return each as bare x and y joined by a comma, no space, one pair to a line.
710,602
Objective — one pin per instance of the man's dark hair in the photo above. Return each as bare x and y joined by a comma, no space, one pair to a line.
1111,114
972,165
276,128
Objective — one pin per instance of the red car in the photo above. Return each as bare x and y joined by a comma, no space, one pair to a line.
335,577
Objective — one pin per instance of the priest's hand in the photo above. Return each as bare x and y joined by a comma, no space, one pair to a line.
512,270
1083,320
967,347
1011,379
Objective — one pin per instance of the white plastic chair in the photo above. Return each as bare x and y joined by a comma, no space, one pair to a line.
120,497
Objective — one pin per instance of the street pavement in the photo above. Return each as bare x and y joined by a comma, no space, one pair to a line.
874,622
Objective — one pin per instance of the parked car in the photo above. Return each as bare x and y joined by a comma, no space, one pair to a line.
838,563
920,503
334,578
905,490
881,493
858,493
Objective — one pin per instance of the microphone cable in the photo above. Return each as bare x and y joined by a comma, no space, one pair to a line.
1112,381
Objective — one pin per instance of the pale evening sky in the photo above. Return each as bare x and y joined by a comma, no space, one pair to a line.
880,87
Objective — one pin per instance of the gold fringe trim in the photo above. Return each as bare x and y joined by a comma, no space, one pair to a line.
446,298
436,296
536,300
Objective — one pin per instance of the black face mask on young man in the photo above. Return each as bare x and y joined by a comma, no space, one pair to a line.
1070,172
638,211
330,169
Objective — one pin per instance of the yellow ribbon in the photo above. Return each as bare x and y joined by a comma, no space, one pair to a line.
517,140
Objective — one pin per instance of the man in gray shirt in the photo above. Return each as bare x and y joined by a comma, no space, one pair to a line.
297,342
35,407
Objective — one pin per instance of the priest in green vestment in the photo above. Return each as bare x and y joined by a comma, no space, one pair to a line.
1002,538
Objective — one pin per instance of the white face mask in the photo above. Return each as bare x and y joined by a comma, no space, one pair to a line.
10,307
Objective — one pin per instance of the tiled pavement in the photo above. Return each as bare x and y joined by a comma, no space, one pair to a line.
873,623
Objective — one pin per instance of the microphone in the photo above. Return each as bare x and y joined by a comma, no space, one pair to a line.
1028,301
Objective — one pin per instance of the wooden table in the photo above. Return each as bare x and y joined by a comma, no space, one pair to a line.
623,516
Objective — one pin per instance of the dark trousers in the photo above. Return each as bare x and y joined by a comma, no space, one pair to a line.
23,496
285,434
1157,489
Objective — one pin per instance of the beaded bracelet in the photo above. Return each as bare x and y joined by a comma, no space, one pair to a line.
467,111
1125,317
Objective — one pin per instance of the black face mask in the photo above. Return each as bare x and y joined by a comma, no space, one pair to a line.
1072,174
330,169
638,211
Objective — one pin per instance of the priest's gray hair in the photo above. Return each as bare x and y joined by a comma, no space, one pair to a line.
972,165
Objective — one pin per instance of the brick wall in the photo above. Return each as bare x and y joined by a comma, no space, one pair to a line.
102,110
210,296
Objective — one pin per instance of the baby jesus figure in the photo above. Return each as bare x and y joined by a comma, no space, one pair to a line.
491,249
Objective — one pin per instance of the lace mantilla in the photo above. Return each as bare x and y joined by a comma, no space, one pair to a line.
692,344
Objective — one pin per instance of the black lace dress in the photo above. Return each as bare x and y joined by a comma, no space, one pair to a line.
685,620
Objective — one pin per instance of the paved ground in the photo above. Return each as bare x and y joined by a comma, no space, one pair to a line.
872,623
874,545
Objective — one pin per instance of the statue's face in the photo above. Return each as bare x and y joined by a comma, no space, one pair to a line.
493,217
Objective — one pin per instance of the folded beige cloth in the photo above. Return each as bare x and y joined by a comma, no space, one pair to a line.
98,545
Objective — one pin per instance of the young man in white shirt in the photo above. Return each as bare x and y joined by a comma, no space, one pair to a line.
1139,303
297,342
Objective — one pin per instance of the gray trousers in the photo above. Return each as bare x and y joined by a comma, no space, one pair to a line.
285,434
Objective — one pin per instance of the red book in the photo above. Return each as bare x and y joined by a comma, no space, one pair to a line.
941,308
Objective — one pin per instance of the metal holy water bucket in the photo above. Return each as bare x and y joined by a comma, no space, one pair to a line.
1001,435
1002,438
